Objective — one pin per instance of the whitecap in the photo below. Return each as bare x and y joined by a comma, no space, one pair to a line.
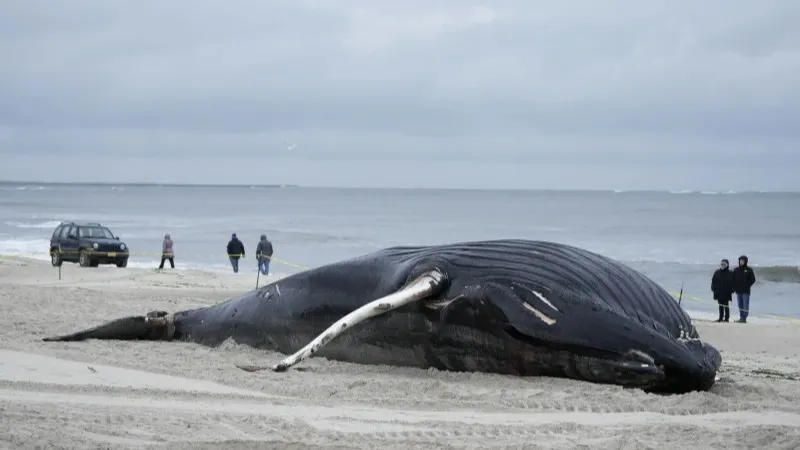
50,224
30,248
30,188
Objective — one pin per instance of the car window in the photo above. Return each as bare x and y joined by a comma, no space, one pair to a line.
67,231
95,232
57,232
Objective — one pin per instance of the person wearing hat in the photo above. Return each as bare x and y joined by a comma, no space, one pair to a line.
264,254
743,279
166,252
722,287
235,251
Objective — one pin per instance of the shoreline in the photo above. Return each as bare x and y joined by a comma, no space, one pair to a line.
135,394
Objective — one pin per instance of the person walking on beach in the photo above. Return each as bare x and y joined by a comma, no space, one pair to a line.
722,287
235,251
264,254
166,252
743,279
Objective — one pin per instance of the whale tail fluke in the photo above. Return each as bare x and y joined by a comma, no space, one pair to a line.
156,325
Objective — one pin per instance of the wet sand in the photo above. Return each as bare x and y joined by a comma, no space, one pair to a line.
181,395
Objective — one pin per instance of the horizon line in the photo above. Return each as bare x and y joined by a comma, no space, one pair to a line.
282,185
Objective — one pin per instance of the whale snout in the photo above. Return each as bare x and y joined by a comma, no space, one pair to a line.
695,370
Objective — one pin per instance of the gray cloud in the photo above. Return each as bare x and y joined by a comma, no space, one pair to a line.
580,95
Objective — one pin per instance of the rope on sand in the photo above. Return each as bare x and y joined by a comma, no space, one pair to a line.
158,254
677,295
768,316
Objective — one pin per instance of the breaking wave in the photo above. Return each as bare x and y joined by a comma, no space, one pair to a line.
706,192
22,188
778,274
51,224
28,248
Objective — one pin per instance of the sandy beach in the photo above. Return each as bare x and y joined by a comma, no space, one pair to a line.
181,395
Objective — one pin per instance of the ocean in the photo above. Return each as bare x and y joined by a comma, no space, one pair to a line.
675,238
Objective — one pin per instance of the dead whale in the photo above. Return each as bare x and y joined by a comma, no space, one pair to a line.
507,306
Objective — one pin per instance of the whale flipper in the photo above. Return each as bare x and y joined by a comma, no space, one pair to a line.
424,286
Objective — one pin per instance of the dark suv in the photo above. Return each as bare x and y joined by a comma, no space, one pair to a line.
88,244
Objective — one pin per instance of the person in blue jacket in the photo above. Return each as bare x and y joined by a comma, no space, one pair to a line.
743,280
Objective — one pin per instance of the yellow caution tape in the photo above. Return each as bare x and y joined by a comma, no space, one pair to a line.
123,253
304,267
705,300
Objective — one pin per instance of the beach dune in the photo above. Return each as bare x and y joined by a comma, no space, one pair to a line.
179,395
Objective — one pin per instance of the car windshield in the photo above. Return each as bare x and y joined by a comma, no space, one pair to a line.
95,232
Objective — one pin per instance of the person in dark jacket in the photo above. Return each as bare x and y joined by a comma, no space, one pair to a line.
235,251
722,287
264,254
743,279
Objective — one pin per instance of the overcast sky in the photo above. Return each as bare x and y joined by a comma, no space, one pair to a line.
597,95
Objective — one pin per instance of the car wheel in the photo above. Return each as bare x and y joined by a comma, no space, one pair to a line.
83,259
55,257
122,262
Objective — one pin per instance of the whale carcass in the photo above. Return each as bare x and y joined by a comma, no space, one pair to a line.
507,306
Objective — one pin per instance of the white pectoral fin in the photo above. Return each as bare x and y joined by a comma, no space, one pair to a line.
423,287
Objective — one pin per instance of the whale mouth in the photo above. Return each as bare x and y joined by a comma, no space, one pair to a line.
691,368
541,356
632,368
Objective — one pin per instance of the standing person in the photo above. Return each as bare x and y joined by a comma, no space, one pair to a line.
264,254
235,251
722,287
743,279
166,252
